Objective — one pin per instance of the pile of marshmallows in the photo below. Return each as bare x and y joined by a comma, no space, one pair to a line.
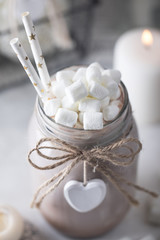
85,98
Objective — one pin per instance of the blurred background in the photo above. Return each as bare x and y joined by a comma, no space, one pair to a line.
70,32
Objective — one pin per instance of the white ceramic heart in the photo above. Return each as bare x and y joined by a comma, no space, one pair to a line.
85,198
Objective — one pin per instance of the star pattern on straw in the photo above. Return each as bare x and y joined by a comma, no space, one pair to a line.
26,58
42,90
32,37
25,68
49,84
42,56
40,65
35,84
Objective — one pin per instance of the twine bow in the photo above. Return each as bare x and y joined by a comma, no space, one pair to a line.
104,158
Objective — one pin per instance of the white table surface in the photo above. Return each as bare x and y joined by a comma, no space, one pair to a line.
16,106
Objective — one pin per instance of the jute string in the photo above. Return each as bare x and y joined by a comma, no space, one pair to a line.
103,158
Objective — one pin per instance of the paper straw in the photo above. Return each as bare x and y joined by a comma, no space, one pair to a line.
28,67
36,49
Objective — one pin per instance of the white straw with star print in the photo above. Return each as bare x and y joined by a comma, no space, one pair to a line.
36,50
28,67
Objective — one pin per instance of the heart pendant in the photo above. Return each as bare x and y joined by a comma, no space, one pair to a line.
85,198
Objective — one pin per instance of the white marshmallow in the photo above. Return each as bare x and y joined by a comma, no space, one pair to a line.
80,74
113,88
96,64
114,74
110,112
67,103
65,76
76,91
116,94
98,91
66,82
93,74
51,106
80,117
58,89
89,105
63,80
92,120
105,79
105,102
66,117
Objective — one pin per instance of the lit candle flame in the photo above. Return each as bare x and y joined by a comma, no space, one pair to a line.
147,38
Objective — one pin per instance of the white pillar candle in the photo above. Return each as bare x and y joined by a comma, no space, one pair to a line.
11,223
137,56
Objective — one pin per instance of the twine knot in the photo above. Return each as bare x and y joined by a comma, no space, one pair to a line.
85,155
102,158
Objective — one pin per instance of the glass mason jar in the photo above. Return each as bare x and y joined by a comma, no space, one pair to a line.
54,207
